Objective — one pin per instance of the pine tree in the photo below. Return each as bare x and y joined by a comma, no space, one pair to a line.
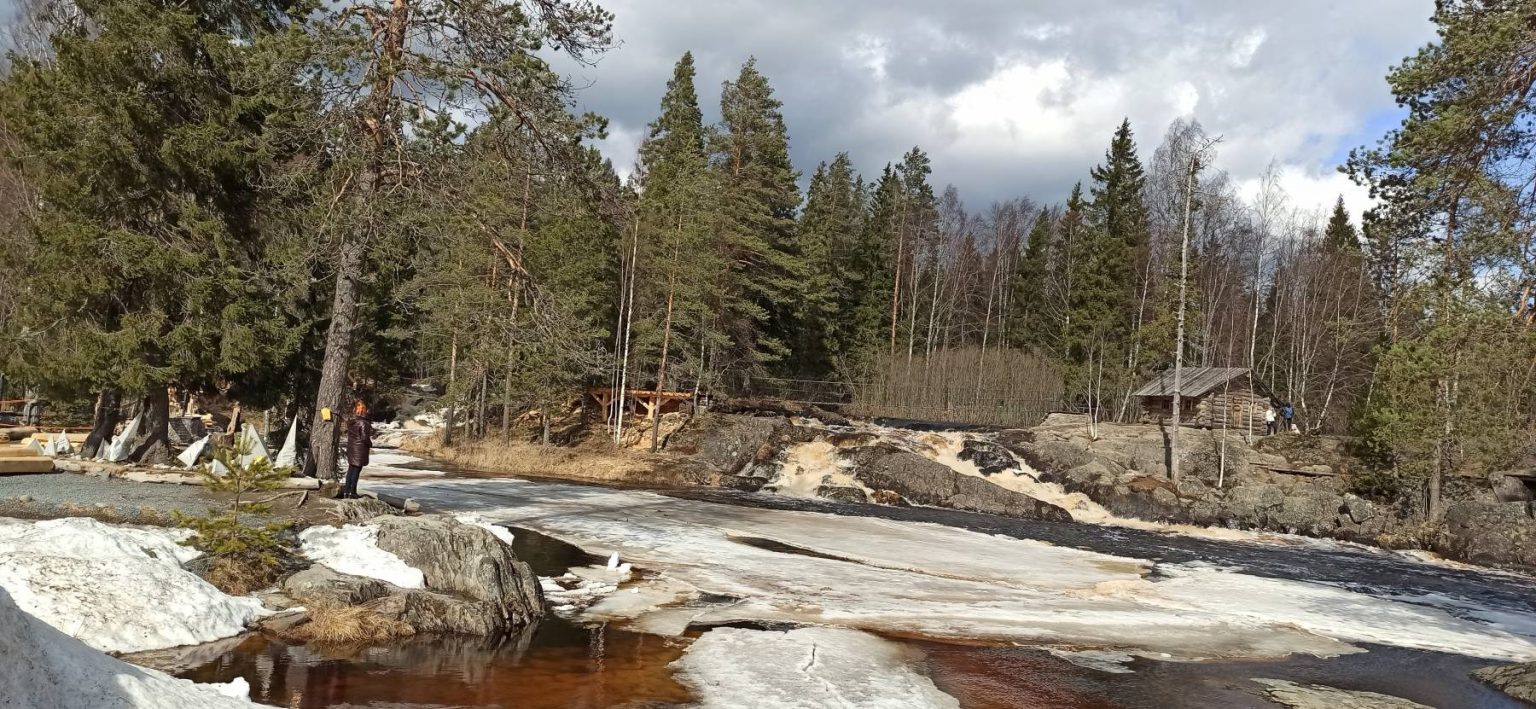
1340,233
758,200
1444,391
682,307
412,69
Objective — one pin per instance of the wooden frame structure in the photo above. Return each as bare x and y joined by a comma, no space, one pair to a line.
652,401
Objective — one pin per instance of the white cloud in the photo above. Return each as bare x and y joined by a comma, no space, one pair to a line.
1313,192
1019,97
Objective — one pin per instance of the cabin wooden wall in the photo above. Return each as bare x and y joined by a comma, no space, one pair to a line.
1229,408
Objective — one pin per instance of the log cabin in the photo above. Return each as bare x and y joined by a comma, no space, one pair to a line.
1212,397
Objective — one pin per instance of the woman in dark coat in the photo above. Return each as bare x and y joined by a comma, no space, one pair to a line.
359,440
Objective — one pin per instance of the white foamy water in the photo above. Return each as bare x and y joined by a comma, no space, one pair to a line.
808,467
944,447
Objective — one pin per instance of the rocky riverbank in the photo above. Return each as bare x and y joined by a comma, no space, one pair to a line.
1061,471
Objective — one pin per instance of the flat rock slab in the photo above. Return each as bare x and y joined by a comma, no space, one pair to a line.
1518,681
1317,696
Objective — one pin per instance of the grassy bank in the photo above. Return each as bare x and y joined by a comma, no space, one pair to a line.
591,461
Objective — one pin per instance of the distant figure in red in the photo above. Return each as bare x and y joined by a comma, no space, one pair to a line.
359,440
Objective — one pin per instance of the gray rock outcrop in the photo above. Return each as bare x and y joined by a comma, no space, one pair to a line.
319,585
924,482
468,562
989,458
1518,681
1489,533
475,584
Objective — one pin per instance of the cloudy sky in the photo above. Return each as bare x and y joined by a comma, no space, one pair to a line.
1019,97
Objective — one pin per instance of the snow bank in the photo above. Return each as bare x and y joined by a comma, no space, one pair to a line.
118,589
354,549
43,667
811,668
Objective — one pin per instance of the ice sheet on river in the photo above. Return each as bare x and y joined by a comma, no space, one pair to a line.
930,580
807,668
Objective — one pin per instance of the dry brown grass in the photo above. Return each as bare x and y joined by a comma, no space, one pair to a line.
593,462
238,578
341,625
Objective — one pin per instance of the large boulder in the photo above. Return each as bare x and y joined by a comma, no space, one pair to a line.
1307,511
464,561
1518,681
989,458
728,443
1253,504
924,482
319,585
1496,533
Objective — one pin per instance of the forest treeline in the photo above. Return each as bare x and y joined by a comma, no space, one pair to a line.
287,202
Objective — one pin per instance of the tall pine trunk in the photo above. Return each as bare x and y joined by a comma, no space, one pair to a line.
666,341
334,387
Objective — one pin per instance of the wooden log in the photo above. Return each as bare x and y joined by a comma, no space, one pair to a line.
18,452
77,439
17,466
139,476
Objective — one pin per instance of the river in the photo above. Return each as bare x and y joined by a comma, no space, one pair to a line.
995,612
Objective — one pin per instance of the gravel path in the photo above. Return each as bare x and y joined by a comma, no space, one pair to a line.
61,494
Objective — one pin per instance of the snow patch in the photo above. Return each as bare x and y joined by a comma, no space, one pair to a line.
354,549
46,668
496,530
118,589
807,668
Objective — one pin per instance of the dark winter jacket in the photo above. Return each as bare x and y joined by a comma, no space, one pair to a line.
359,440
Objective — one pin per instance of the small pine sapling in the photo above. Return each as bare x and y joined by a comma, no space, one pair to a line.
242,557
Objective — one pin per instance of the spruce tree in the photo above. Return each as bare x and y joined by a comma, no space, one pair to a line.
1340,233
1102,303
146,140
828,238
1031,325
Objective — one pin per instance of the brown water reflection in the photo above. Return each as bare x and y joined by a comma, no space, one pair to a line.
557,665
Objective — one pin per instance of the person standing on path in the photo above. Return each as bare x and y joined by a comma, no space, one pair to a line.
1287,413
359,441
1269,420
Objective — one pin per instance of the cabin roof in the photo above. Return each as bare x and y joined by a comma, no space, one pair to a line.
1193,381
